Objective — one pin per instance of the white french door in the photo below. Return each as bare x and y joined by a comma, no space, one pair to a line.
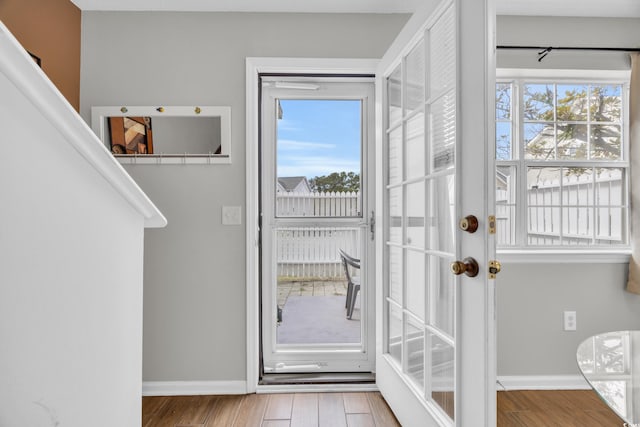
435,360
316,201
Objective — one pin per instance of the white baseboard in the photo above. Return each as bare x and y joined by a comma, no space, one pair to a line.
542,382
505,382
190,388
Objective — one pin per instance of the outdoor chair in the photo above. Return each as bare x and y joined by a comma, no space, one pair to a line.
353,282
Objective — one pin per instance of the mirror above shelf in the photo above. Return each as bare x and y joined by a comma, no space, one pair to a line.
165,134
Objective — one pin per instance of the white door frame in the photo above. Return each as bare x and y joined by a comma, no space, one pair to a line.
255,66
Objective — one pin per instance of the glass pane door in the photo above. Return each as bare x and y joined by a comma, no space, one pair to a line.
316,290
435,364
421,135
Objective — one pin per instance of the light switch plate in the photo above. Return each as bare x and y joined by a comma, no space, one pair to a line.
231,215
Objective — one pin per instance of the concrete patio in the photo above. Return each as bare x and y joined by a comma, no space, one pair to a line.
311,287
313,312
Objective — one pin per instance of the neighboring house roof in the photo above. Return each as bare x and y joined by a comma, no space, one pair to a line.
502,178
294,183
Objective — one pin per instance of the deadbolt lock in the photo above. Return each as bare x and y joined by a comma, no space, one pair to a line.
469,224
468,266
494,268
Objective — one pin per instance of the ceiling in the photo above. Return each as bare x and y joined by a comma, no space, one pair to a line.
598,8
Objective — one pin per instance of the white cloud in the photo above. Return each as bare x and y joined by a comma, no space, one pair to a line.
287,125
288,144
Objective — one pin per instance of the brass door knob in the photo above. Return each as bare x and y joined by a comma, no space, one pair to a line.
469,224
468,266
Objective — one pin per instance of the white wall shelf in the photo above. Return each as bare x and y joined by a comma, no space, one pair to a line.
179,149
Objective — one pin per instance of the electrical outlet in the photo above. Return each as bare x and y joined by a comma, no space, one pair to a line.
570,321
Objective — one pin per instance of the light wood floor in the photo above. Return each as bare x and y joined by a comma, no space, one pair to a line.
565,408
269,410
561,408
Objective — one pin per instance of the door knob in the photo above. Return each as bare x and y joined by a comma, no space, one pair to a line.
469,224
468,266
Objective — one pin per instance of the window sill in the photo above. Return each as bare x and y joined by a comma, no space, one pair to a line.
557,256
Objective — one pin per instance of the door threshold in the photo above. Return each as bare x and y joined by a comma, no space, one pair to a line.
319,378
317,383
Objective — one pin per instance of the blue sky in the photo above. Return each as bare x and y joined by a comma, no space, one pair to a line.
318,137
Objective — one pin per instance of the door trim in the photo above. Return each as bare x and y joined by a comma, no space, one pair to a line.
254,67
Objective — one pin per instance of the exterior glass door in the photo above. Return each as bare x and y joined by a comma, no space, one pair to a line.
316,295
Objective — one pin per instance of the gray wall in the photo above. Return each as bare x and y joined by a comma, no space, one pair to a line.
194,269
532,297
194,302
531,301
556,31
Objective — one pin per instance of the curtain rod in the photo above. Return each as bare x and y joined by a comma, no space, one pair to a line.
544,50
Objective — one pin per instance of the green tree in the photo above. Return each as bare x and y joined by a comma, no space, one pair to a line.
574,137
337,181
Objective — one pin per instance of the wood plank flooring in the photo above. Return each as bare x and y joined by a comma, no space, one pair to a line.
269,410
561,408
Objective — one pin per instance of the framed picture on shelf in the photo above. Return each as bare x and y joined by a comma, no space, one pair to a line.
131,135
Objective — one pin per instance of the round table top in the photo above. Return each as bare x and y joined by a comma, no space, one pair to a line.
610,362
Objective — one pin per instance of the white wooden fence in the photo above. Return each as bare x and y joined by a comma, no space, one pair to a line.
329,204
314,251
579,210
